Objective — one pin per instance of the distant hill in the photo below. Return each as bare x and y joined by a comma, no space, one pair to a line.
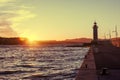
67,42
80,40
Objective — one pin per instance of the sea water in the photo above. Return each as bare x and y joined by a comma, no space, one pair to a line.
40,62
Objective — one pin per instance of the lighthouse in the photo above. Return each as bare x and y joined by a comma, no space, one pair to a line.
95,32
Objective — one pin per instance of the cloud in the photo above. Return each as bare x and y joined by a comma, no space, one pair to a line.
5,1
22,15
17,16
4,23
12,14
6,30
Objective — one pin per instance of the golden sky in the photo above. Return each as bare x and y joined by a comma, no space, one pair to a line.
58,19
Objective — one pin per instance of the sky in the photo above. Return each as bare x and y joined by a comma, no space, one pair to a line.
58,19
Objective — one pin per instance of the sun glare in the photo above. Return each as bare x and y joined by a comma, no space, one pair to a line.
31,40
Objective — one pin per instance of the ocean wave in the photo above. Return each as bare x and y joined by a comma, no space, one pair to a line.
13,72
40,63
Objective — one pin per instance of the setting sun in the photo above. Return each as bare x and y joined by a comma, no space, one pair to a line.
30,39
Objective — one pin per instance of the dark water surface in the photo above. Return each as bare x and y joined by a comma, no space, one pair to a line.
40,63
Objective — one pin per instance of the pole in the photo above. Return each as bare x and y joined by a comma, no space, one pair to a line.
116,33
104,36
110,35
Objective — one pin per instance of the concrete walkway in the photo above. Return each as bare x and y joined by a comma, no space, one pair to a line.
88,68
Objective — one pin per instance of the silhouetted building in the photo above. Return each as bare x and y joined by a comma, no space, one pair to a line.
95,32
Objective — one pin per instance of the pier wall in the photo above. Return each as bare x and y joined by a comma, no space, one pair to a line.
88,69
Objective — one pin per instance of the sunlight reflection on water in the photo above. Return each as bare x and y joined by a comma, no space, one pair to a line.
40,63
